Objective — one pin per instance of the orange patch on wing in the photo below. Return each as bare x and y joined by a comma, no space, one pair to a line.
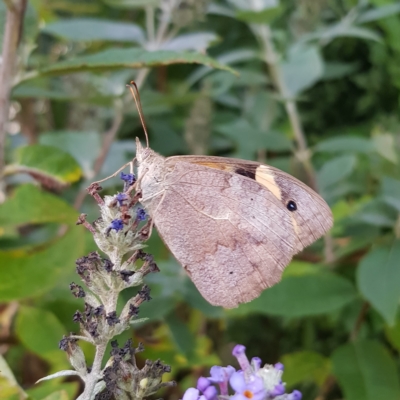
217,165
265,177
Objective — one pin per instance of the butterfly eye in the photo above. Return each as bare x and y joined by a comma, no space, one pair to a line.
291,205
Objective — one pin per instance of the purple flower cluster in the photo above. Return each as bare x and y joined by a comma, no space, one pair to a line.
251,382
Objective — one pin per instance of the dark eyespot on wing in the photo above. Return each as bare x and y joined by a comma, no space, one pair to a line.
291,205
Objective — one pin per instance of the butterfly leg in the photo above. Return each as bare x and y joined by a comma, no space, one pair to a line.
130,163
136,185
147,230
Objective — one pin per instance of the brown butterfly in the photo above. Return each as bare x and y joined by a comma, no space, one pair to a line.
233,224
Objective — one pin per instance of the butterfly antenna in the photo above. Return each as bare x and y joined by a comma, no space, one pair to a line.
136,96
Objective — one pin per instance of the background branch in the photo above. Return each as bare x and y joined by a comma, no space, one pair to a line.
140,79
109,137
264,34
12,34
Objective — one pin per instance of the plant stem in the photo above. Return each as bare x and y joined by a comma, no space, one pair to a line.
12,34
109,137
264,35
94,375
360,320
150,23
272,60
166,18
141,77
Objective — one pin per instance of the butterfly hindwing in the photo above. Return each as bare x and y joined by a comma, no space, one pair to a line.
230,234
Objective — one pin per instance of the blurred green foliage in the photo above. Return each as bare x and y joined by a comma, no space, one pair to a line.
231,78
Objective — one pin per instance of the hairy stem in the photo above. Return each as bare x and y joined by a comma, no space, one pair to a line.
94,375
12,34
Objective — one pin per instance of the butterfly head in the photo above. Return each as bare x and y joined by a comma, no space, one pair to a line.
142,153
145,155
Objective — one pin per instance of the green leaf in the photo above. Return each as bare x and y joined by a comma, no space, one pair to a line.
48,388
197,301
376,213
8,384
31,272
378,278
249,138
337,70
9,391
83,146
265,16
131,3
157,308
129,58
385,145
3,13
230,57
342,29
351,144
254,107
391,192
39,331
392,333
30,205
305,366
218,9
29,90
88,29
378,13
303,68
198,41
181,335
366,371
48,165
58,395
336,170
298,268
299,296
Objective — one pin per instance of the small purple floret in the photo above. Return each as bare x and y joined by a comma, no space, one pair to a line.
217,374
279,366
210,393
239,352
203,383
129,179
221,374
254,389
116,224
278,390
246,383
141,214
121,197
295,395
191,394
256,363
